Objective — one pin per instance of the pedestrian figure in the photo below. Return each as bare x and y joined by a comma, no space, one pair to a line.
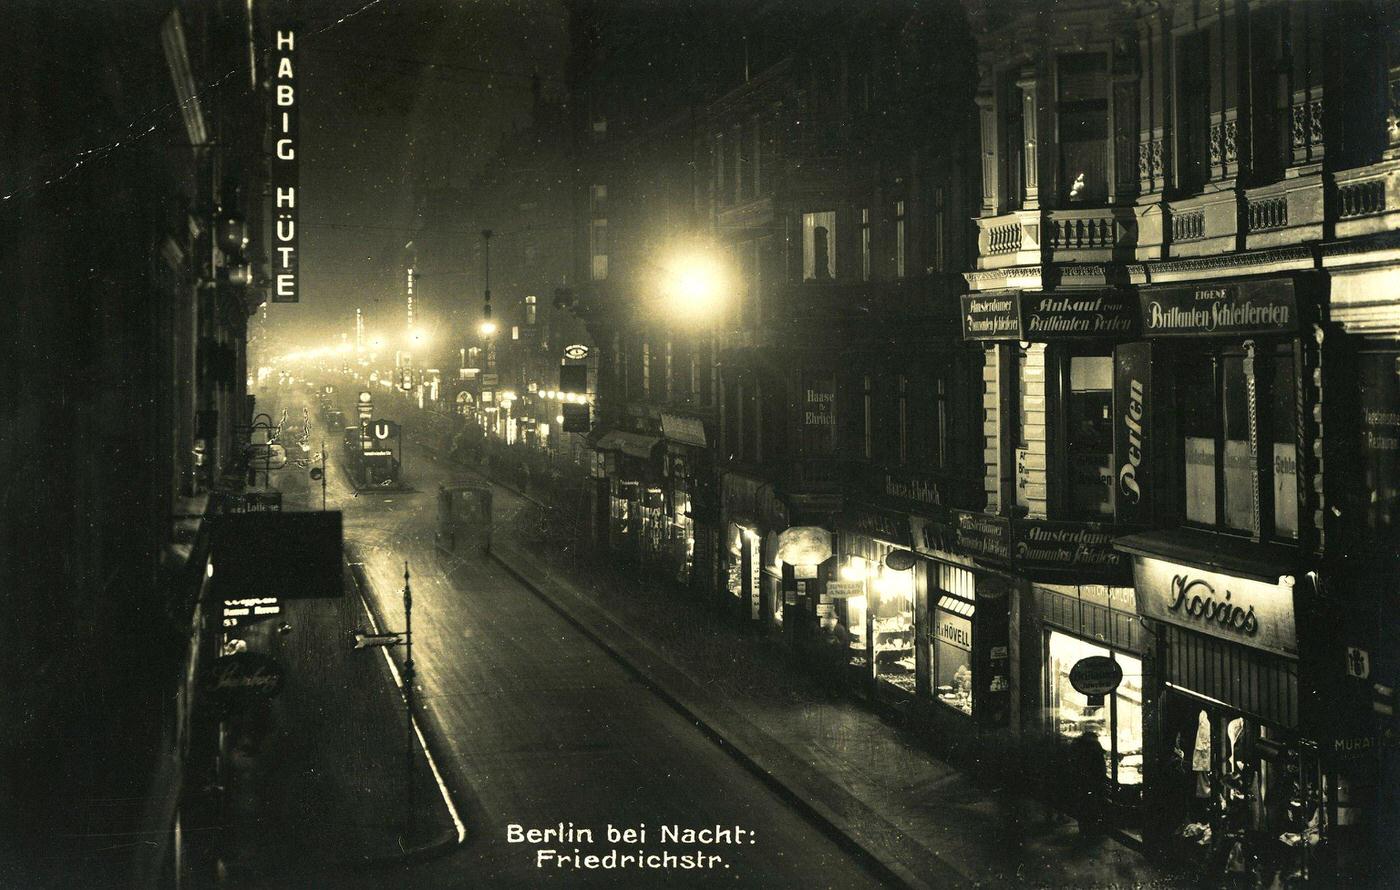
1086,768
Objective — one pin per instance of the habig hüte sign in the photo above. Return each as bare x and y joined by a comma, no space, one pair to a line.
1039,317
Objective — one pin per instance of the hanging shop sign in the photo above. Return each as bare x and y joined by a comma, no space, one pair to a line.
682,429
874,522
934,537
900,560
285,177
243,677
1095,675
1079,547
1133,411
992,316
1255,307
1241,610
804,545
1039,317
981,534
576,352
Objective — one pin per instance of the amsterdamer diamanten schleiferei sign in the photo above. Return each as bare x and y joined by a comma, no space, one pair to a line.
1241,610
1252,307
1038,317
285,179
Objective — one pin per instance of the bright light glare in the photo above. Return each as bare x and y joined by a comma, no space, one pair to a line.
418,337
487,328
693,283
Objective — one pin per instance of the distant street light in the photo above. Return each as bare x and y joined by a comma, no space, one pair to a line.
487,328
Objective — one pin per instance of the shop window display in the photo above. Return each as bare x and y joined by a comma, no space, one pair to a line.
851,613
892,627
951,640
1117,721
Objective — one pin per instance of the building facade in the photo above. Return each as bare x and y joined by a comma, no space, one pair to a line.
1172,452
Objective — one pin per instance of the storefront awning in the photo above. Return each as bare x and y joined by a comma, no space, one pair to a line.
634,444
1230,556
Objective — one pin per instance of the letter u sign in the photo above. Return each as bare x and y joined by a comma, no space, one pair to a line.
381,431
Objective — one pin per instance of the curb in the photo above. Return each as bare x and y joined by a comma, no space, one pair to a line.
824,814
448,840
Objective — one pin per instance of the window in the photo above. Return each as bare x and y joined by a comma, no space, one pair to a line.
819,246
903,419
865,244
1192,112
598,201
598,248
899,239
756,158
1083,127
951,641
1219,476
868,406
721,190
1269,95
741,162
937,221
1380,437
531,307
1116,719
1089,436
1012,153
646,369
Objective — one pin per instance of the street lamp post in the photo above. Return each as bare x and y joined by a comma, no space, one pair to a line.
408,684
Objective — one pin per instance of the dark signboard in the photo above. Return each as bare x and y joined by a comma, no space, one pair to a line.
876,522
911,486
285,178
981,534
238,679
1040,317
1095,675
577,417
1133,410
1380,437
1081,548
991,316
284,555
1259,307
1103,313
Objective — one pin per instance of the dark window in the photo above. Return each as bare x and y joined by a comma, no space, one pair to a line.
1380,437
1088,388
1083,127
1220,472
1269,99
1012,145
937,234
1192,112
865,244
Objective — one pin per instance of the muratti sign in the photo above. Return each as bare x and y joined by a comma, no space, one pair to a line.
1257,307
1241,610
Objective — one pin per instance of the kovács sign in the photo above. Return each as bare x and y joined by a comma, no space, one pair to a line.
1241,610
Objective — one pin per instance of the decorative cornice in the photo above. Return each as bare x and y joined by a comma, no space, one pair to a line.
1233,263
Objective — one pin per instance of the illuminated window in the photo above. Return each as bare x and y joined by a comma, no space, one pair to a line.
899,239
819,246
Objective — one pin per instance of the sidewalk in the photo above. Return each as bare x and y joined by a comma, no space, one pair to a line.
327,778
925,821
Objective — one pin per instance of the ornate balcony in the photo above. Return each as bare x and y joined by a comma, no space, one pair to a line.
1368,199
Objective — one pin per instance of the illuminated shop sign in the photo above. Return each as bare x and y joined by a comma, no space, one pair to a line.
1040,317
1132,433
1241,610
1264,307
248,609
284,173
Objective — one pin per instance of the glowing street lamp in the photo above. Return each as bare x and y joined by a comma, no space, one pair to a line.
693,283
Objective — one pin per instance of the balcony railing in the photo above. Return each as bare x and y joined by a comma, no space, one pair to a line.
1267,213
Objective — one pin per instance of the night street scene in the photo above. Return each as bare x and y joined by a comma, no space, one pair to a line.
699,443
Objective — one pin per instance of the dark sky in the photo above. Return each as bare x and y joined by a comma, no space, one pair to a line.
393,94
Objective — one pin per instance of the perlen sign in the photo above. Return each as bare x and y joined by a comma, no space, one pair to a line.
284,174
